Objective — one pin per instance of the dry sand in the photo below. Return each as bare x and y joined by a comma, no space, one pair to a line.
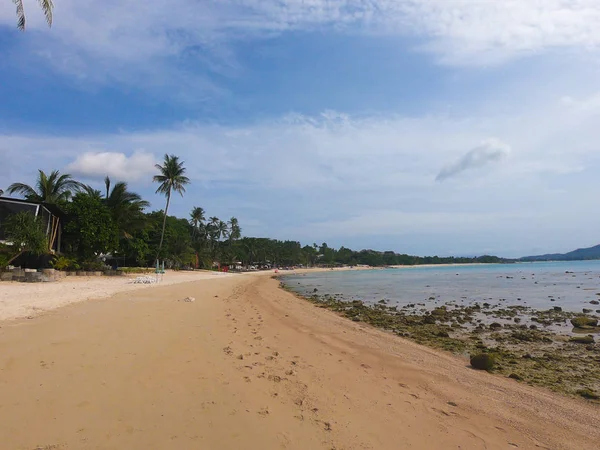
249,366
30,299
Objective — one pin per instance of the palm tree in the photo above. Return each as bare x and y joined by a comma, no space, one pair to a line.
47,7
196,218
222,230
53,188
235,232
171,178
197,222
124,205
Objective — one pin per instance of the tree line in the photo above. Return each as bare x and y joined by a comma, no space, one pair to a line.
113,226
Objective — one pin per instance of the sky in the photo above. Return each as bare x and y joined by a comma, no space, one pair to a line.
429,127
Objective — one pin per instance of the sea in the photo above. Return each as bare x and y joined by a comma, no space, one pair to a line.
570,285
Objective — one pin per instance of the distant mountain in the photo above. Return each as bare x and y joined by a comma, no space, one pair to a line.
575,255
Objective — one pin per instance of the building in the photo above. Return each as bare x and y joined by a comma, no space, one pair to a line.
51,215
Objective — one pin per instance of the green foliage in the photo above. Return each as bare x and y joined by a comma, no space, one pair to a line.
133,270
93,266
90,229
113,221
25,231
54,188
65,263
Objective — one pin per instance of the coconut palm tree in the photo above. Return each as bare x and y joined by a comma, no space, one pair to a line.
47,7
125,206
196,218
222,230
53,188
171,178
234,232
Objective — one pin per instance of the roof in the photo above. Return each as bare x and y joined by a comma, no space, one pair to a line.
54,209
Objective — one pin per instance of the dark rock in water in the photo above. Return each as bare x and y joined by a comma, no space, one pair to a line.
495,325
557,309
586,311
594,302
315,290
532,327
582,339
584,322
483,361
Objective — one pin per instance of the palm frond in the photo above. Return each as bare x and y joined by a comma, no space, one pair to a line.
23,189
20,14
47,7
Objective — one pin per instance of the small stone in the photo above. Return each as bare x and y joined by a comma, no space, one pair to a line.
240,357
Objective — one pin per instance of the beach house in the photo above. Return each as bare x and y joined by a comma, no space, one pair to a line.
51,215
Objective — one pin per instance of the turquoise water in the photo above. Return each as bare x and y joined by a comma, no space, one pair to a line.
540,285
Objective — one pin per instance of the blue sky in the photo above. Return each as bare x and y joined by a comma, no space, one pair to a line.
455,127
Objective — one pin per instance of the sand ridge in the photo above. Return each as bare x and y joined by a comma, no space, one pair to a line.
248,365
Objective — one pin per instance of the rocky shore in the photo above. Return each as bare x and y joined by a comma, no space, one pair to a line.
555,349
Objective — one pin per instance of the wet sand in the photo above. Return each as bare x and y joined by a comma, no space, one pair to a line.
248,365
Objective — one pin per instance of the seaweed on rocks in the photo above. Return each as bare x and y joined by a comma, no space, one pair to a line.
536,355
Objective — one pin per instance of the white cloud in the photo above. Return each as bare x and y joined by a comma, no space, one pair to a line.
489,151
336,176
180,43
116,165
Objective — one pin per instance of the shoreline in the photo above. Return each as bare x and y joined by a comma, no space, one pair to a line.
522,341
249,365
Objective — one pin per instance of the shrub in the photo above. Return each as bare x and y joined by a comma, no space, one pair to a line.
65,263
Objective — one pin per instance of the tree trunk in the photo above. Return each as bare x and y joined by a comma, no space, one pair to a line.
162,235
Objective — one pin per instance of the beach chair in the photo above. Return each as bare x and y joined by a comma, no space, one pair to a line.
159,271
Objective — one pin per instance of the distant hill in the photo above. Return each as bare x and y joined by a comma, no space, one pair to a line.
575,255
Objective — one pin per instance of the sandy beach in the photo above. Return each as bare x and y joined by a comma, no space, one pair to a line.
247,366
18,300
